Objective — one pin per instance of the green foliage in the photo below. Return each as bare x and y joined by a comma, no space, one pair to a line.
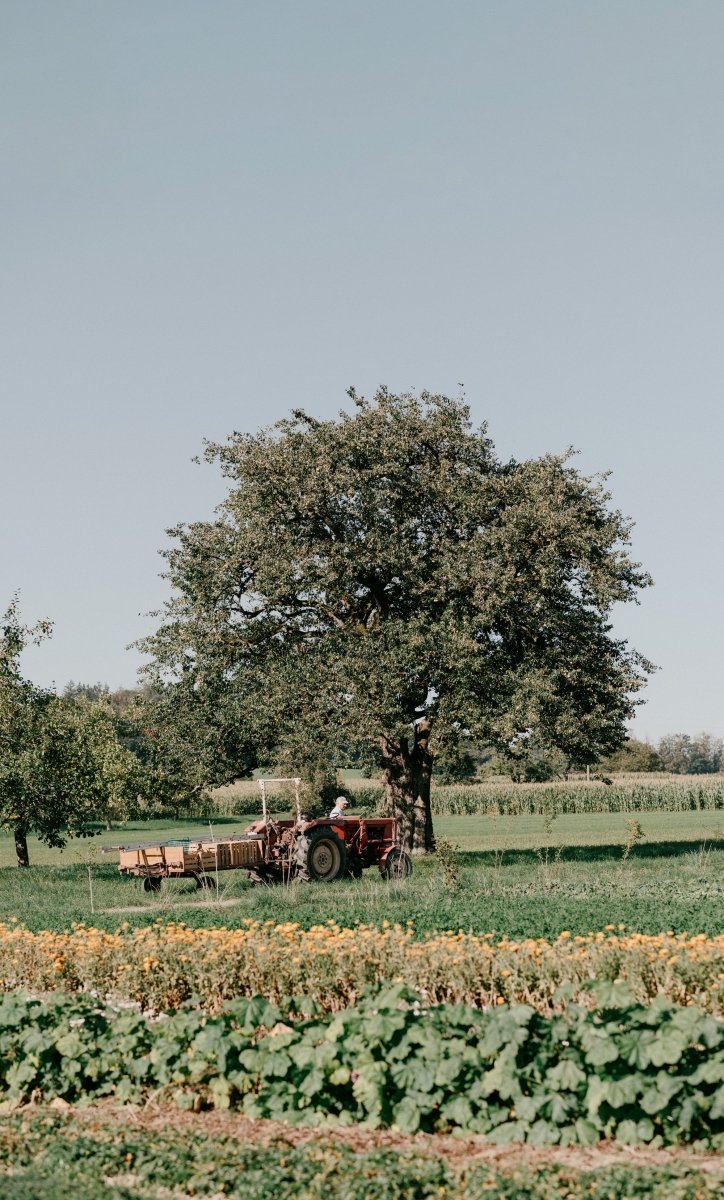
634,835
114,776
366,571
454,759
51,1156
446,855
61,765
528,762
186,742
684,755
634,756
623,1071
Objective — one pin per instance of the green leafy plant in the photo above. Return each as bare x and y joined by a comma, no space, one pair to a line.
634,835
47,1156
445,853
623,1071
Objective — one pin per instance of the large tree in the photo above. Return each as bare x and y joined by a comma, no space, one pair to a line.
384,580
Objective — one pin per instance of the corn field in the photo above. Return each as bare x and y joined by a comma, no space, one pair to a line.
686,793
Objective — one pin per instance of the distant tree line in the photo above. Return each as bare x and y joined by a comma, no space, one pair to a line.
675,754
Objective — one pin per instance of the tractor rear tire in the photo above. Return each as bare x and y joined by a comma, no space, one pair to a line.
321,855
397,865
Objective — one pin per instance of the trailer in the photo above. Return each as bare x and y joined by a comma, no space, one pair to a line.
199,859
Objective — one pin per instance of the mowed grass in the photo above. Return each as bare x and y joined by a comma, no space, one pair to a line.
517,876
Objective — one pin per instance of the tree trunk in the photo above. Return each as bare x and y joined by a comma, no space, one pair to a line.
21,846
407,772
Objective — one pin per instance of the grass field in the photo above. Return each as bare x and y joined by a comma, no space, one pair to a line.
519,876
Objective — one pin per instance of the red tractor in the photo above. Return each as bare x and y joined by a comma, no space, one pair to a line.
274,850
326,848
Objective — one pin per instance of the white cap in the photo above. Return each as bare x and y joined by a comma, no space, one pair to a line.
342,800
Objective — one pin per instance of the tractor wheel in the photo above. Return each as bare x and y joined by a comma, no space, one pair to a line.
152,883
397,865
322,856
206,883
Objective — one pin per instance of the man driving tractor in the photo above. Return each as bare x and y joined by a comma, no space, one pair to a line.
340,804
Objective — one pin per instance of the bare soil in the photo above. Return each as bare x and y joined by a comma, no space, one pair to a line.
144,908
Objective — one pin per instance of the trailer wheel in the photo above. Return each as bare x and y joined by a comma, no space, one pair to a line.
322,856
397,865
258,877
152,883
207,883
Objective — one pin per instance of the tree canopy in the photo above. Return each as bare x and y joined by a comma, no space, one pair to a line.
61,765
685,755
383,580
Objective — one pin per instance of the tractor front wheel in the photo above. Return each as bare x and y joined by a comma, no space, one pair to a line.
397,865
321,855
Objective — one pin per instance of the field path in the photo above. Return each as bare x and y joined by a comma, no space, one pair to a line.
144,908
462,1151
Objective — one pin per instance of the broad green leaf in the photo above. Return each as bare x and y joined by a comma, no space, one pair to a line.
415,1074
613,994
509,1131
619,1092
587,1132
627,1133
601,1050
457,1112
448,1070
543,1133
565,1075
668,1046
406,1116
716,1112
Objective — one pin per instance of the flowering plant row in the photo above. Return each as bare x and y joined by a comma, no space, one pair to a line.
621,1071
163,965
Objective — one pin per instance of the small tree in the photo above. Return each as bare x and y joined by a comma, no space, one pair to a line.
383,579
115,775
45,769
635,756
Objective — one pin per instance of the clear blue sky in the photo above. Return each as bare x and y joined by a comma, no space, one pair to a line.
212,210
